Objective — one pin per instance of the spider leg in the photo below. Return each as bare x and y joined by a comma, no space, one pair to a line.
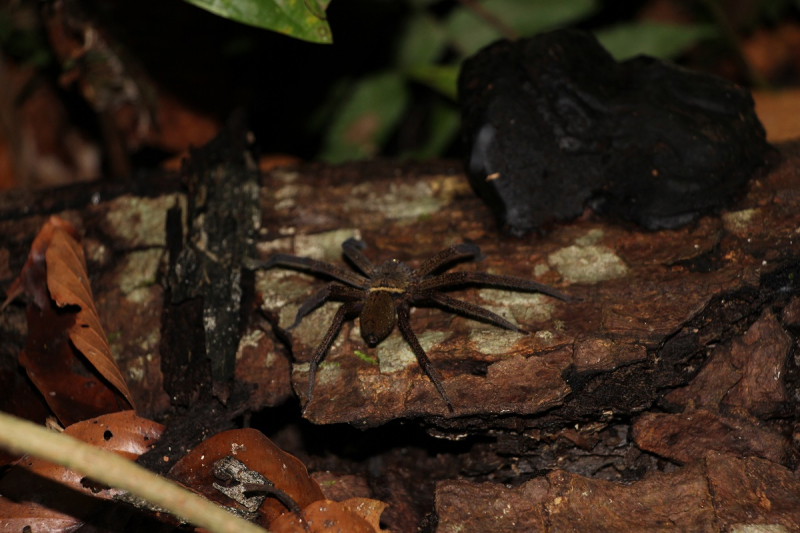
422,357
352,249
331,291
469,309
451,279
447,255
312,265
336,324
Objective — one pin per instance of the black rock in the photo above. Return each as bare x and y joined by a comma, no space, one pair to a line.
554,124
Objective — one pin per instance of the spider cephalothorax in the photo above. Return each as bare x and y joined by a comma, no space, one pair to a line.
383,295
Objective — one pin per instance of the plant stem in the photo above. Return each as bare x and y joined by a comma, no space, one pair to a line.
21,436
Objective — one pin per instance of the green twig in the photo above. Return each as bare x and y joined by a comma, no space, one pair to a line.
22,437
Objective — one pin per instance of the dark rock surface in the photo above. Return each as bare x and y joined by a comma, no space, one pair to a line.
554,125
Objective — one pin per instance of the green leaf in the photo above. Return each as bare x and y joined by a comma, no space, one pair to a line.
366,118
653,38
441,78
301,19
470,32
443,127
422,42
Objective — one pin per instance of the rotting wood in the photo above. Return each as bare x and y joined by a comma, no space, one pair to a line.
660,311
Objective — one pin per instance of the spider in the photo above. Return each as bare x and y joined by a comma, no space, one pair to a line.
382,295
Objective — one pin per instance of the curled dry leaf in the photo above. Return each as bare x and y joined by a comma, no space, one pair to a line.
67,355
260,454
51,498
327,516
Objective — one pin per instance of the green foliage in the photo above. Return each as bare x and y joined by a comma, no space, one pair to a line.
366,118
654,39
441,78
361,115
469,32
443,124
302,19
422,42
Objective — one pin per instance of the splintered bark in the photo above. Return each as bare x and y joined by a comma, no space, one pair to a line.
673,369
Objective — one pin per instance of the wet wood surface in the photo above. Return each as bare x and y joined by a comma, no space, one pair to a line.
674,373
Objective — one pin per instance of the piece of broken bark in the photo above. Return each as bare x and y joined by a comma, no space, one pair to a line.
658,310
720,493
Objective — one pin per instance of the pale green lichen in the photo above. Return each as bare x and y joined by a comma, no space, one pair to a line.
325,246
328,373
286,176
541,269
140,269
593,236
280,287
587,264
759,528
286,196
313,327
140,222
150,341
394,353
490,340
524,307
402,201
135,370
249,340
739,222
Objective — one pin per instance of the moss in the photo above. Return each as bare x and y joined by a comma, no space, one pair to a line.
364,357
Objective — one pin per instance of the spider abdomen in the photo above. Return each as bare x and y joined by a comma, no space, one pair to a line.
378,316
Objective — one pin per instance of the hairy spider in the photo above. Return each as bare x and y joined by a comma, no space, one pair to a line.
384,294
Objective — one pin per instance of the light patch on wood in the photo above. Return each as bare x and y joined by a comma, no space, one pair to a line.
394,353
587,264
326,246
490,340
134,221
739,222
140,269
523,307
402,201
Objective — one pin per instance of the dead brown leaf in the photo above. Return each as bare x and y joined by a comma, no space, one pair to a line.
66,354
327,516
260,454
51,498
